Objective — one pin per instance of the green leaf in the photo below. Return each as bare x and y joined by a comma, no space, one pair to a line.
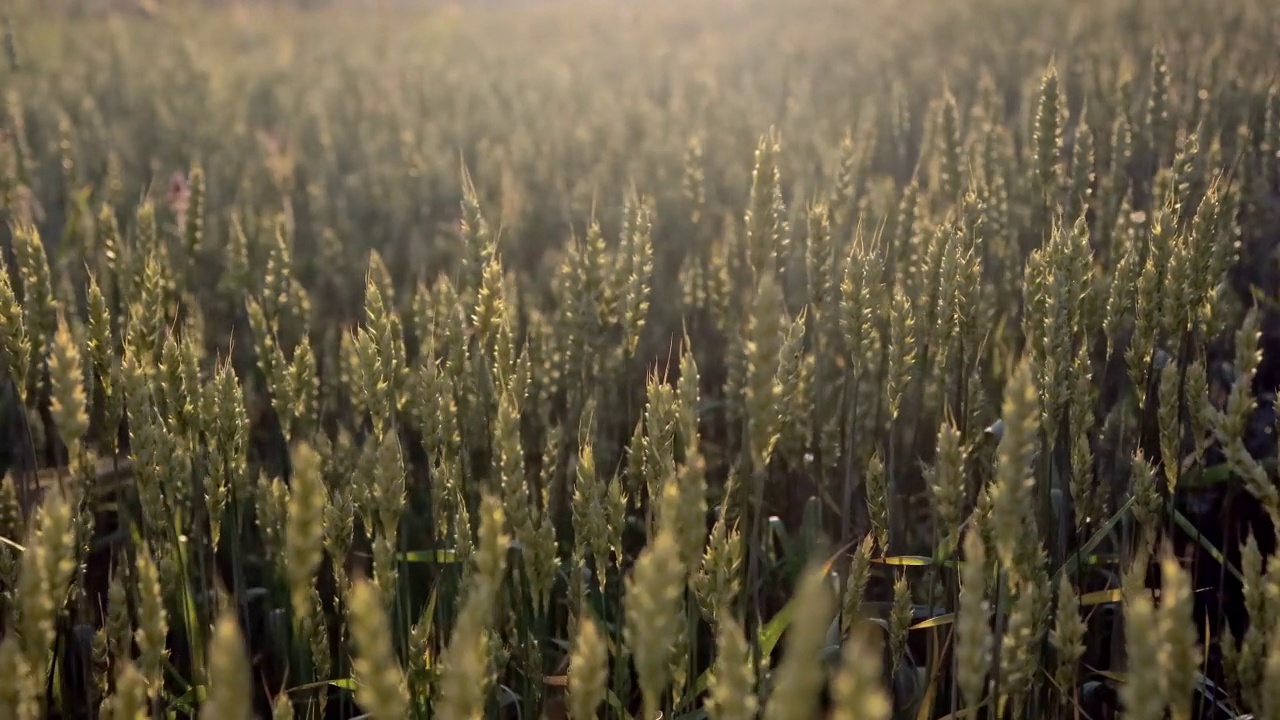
1194,532
612,699
344,684
768,638
908,561
936,621
443,556
1085,552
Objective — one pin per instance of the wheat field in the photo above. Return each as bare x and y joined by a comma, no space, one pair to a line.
577,359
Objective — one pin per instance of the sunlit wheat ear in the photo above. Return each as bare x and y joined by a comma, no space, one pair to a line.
153,621
900,617
230,690
1040,303
1196,390
973,630
304,529
1068,283
862,294
382,690
490,304
594,295
1271,137
946,481
1083,162
317,637
953,310
590,526
466,673
1270,700
1085,492
904,235
694,181
1251,657
15,341
68,403
191,216
933,303
856,584
661,416
1047,162
588,671
100,342
732,681
820,264
857,690
1180,659
511,480
272,500
542,555
305,389
1179,299
948,147
1147,503
717,581
800,677
477,237
767,234
388,505
1019,647
38,300
421,660
100,663
339,528
1142,696
118,623
902,348
231,431
1067,637
1229,424
282,708
47,567
763,349
1158,135
20,693
690,514
878,501
680,660
688,399
635,268
1230,660
12,525
857,149
1122,283
1170,424
1012,513
130,697
653,604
